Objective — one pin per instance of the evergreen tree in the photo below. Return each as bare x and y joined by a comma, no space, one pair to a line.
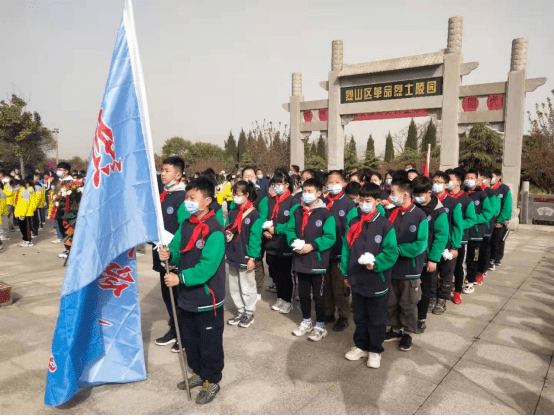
389,149
483,148
430,137
321,151
242,144
370,161
251,138
231,146
411,141
307,148
313,150
350,155
246,158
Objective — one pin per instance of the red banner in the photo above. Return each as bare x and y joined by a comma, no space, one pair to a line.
391,114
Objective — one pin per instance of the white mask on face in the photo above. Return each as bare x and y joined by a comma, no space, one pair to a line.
278,189
438,188
260,177
470,183
493,181
388,181
419,199
238,199
366,207
396,201
378,183
308,198
334,189
450,186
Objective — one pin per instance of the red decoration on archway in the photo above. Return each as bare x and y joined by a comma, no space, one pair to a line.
323,114
470,103
495,102
308,116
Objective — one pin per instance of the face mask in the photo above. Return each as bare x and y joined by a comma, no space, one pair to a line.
170,184
278,189
377,183
334,188
366,207
192,207
59,173
493,181
237,200
438,188
260,177
308,198
450,185
396,201
419,199
470,183
388,181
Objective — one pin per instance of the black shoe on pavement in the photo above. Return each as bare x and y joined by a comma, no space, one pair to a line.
166,339
246,320
440,308
498,263
209,390
405,343
341,324
194,381
329,318
432,303
421,325
175,347
393,336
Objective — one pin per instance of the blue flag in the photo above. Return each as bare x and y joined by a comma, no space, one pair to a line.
98,337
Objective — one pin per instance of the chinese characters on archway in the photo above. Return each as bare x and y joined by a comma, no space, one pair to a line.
392,90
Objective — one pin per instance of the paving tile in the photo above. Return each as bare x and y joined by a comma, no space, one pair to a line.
546,402
472,388
519,338
530,307
530,322
511,359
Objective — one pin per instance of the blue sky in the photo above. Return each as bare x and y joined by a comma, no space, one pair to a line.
212,66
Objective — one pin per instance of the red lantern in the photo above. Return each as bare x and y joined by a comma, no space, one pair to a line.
323,114
308,115
470,103
495,102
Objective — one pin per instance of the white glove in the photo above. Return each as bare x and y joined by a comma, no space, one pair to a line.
390,206
298,244
447,255
367,258
267,224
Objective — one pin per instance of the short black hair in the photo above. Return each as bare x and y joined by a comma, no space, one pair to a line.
246,188
443,175
458,174
316,183
484,172
259,169
335,172
413,171
203,185
497,172
279,177
422,185
352,188
176,161
473,172
404,186
296,168
64,165
310,171
399,176
358,175
376,174
371,190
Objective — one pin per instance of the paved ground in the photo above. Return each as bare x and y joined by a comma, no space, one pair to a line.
490,355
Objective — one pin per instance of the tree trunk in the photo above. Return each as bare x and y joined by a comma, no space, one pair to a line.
22,167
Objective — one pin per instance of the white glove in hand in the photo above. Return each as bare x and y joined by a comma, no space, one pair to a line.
390,206
367,258
298,244
447,255
267,224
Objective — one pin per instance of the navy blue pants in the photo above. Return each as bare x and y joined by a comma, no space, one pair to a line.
370,317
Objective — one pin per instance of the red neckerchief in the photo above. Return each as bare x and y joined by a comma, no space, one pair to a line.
201,227
162,196
333,199
278,200
238,221
496,185
469,192
444,195
394,213
16,198
305,216
355,231
483,186
459,194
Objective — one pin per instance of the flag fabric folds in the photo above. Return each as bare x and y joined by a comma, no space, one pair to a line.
98,337
427,162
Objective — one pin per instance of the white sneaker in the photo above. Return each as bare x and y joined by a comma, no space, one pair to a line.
286,307
258,298
374,360
23,244
302,329
57,241
4,238
468,288
317,334
62,255
355,354
277,305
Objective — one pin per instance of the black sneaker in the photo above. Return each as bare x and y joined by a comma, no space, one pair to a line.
492,266
235,319
166,339
246,320
329,319
432,303
175,347
209,390
194,381
393,336
498,263
440,308
341,324
421,325
405,343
